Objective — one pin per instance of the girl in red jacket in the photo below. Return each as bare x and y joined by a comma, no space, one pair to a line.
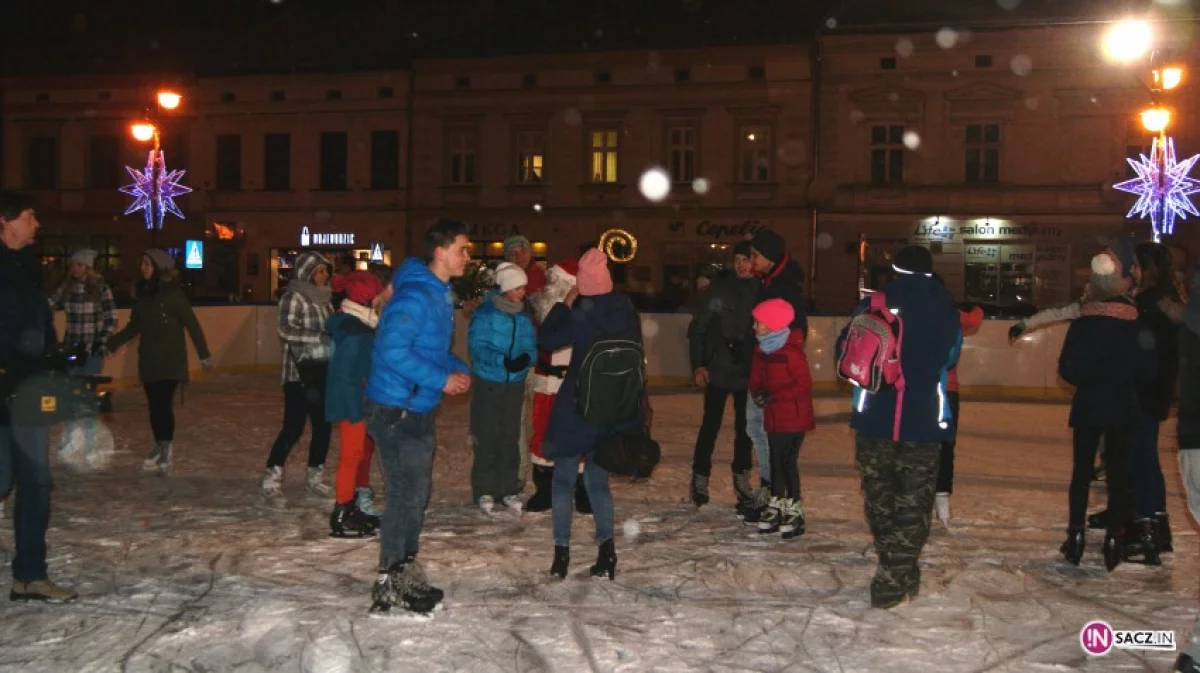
781,384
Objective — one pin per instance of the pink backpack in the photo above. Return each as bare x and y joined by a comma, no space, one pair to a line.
870,354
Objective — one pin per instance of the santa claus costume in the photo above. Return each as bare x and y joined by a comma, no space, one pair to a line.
547,379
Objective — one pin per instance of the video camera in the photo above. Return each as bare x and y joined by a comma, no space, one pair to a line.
55,393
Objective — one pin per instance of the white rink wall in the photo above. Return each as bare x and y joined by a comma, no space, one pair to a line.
244,339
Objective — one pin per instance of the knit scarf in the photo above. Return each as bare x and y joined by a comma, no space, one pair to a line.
364,314
317,295
504,304
773,341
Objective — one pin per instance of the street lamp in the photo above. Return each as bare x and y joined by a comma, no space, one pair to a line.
155,188
1156,120
1127,41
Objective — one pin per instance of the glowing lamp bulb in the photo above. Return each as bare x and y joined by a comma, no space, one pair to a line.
1127,41
1156,119
169,100
1169,78
143,132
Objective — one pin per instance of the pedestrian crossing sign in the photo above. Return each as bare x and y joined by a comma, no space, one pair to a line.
377,253
193,255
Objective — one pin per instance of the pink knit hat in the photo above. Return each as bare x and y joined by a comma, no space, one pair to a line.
774,314
593,278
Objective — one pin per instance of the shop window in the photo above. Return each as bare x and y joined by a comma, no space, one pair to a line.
681,153
42,163
531,157
605,150
462,154
983,153
333,161
277,161
104,162
385,159
887,154
754,153
229,161
1000,276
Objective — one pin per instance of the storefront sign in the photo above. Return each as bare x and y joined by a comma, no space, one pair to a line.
982,254
718,231
193,254
377,253
1017,254
309,239
945,231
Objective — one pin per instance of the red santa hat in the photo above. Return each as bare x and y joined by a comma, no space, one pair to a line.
568,266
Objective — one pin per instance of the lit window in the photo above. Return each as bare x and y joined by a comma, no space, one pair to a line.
604,155
531,156
754,154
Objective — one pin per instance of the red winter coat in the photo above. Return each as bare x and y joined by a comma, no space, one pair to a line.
785,377
967,320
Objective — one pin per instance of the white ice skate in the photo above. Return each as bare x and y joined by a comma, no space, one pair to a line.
941,505
487,504
514,504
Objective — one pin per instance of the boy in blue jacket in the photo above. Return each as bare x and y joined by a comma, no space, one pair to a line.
503,346
899,462
411,368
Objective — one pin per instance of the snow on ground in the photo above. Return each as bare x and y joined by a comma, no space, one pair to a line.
188,574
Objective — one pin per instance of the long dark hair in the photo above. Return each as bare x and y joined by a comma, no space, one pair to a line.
1156,259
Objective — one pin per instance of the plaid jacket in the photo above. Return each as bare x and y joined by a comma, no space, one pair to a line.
302,328
89,321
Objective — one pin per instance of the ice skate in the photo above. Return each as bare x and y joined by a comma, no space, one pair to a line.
792,524
513,503
941,505
394,588
1163,523
699,490
487,504
150,464
364,497
314,482
272,488
772,517
347,521
1072,548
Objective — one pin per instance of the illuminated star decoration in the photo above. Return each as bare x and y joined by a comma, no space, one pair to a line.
143,192
1162,187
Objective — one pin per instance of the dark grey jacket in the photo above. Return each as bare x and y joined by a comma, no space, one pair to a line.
1189,389
717,332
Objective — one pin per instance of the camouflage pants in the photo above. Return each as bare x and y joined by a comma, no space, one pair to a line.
898,481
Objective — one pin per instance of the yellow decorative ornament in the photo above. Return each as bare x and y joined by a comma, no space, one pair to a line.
609,241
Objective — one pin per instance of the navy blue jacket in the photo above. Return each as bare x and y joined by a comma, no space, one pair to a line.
26,321
411,359
349,366
605,315
1106,357
494,335
931,343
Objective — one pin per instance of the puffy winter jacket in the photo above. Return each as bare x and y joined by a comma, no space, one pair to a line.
353,335
717,332
411,359
931,343
785,377
496,334
1102,357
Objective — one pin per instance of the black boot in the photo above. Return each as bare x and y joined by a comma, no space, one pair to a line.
1072,549
1098,521
1186,664
1141,543
1113,550
347,520
543,479
583,504
399,587
562,558
699,490
417,583
1163,524
606,561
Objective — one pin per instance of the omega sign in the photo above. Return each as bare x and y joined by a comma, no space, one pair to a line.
309,239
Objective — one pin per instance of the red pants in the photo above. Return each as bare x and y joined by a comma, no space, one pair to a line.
542,404
354,469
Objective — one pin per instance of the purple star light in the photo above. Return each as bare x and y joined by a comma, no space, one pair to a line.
155,203
1162,187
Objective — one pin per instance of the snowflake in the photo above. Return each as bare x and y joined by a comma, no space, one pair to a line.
1162,187
143,192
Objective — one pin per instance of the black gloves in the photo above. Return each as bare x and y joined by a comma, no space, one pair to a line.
517,364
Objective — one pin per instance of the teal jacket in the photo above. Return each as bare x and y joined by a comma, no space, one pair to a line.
496,334
350,363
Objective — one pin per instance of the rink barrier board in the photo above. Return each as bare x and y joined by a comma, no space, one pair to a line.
244,340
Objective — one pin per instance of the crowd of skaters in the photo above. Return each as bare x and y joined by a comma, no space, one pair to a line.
369,353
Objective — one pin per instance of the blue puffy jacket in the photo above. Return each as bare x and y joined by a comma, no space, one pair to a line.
496,334
931,343
349,367
411,359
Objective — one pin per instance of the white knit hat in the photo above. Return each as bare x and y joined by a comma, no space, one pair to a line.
85,257
509,276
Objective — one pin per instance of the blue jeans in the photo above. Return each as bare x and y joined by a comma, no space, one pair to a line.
404,442
25,463
595,480
758,435
1145,471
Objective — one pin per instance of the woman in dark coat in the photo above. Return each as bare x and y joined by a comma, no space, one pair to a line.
590,311
161,314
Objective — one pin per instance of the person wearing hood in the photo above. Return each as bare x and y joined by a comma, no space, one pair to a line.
898,437
412,367
161,314
716,350
1188,432
352,331
304,310
1104,357
589,313
502,344
91,319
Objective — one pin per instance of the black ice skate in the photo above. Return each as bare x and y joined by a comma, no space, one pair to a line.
1163,523
400,588
1141,543
699,490
348,521
1113,551
1098,521
1072,549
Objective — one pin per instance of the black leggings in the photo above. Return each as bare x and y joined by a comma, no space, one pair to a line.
945,478
1116,452
785,472
299,404
160,396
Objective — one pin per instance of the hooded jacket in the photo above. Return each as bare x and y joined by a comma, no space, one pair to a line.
161,313
931,343
352,332
411,359
716,333
495,335
302,319
578,327
27,331
1102,357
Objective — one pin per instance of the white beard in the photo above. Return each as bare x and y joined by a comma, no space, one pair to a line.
558,285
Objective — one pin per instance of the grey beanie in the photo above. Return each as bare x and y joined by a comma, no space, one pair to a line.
85,257
162,261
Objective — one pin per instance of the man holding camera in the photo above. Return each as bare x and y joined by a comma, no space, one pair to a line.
26,335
